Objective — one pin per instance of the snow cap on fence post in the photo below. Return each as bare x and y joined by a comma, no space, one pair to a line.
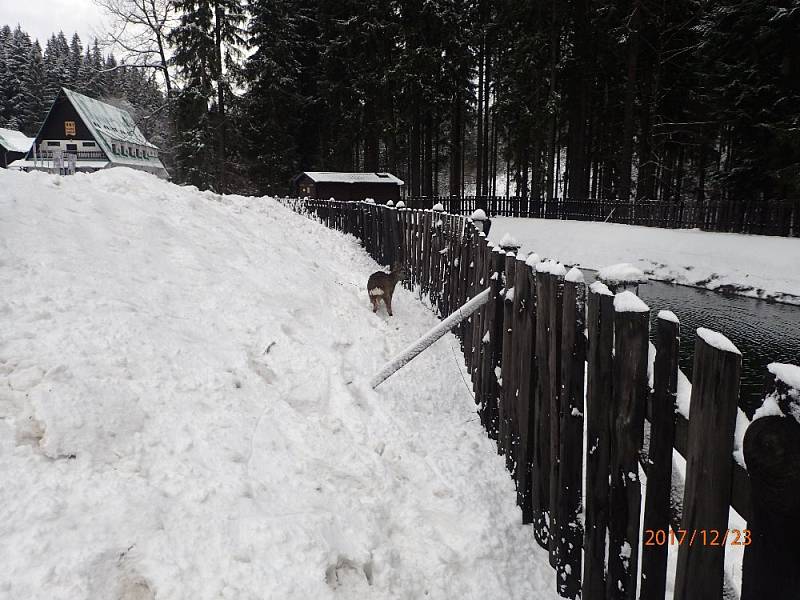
390,203
400,204
482,222
509,243
622,276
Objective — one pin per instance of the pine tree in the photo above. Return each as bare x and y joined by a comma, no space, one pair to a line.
273,105
75,62
35,85
207,41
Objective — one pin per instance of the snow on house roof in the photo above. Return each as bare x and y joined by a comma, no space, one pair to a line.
107,121
334,177
15,141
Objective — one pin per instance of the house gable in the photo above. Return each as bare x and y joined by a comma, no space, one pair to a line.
63,122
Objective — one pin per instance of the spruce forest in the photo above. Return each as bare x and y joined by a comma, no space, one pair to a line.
619,99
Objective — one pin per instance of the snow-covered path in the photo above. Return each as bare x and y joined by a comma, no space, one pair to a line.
184,411
753,265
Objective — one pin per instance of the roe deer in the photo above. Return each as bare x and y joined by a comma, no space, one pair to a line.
380,286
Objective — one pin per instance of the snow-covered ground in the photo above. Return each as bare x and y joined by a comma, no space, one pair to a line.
184,411
753,265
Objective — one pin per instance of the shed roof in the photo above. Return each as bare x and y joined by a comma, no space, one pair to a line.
336,177
15,141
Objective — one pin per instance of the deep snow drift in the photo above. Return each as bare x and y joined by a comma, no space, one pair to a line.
753,265
184,411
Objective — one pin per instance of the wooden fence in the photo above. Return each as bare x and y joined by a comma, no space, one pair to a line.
554,362
765,217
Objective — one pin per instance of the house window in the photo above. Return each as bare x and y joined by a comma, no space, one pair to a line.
72,147
69,127
89,144
114,148
50,144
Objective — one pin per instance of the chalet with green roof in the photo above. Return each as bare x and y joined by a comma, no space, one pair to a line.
82,134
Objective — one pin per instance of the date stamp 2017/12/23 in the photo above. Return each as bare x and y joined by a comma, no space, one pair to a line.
704,537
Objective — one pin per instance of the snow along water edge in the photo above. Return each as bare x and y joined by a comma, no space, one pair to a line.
758,266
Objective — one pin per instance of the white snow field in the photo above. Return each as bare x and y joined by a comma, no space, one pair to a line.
185,411
753,265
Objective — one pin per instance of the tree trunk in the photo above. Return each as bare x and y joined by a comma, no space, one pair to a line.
555,39
218,18
578,97
481,116
456,147
626,154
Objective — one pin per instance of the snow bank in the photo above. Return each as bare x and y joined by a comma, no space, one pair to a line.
186,413
753,265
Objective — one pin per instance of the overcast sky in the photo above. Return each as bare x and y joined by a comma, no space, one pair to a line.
41,18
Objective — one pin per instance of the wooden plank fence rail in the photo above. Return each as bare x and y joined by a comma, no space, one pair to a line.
548,352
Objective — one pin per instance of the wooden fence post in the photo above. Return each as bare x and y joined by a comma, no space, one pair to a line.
659,461
524,306
631,324
494,329
772,455
510,429
548,325
600,325
573,360
554,356
477,283
709,465
540,496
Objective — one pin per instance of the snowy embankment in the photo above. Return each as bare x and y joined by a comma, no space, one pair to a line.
185,411
752,265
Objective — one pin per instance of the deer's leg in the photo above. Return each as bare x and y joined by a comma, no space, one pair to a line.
388,301
374,301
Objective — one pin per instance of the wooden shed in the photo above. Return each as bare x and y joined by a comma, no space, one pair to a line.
381,187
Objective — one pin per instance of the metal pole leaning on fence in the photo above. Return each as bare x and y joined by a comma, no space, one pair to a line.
404,357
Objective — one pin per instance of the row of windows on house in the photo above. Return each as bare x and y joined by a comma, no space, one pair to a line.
118,149
122,150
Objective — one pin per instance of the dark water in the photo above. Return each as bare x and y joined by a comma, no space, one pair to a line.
763,332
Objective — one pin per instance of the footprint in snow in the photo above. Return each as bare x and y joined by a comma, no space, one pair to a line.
348,574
